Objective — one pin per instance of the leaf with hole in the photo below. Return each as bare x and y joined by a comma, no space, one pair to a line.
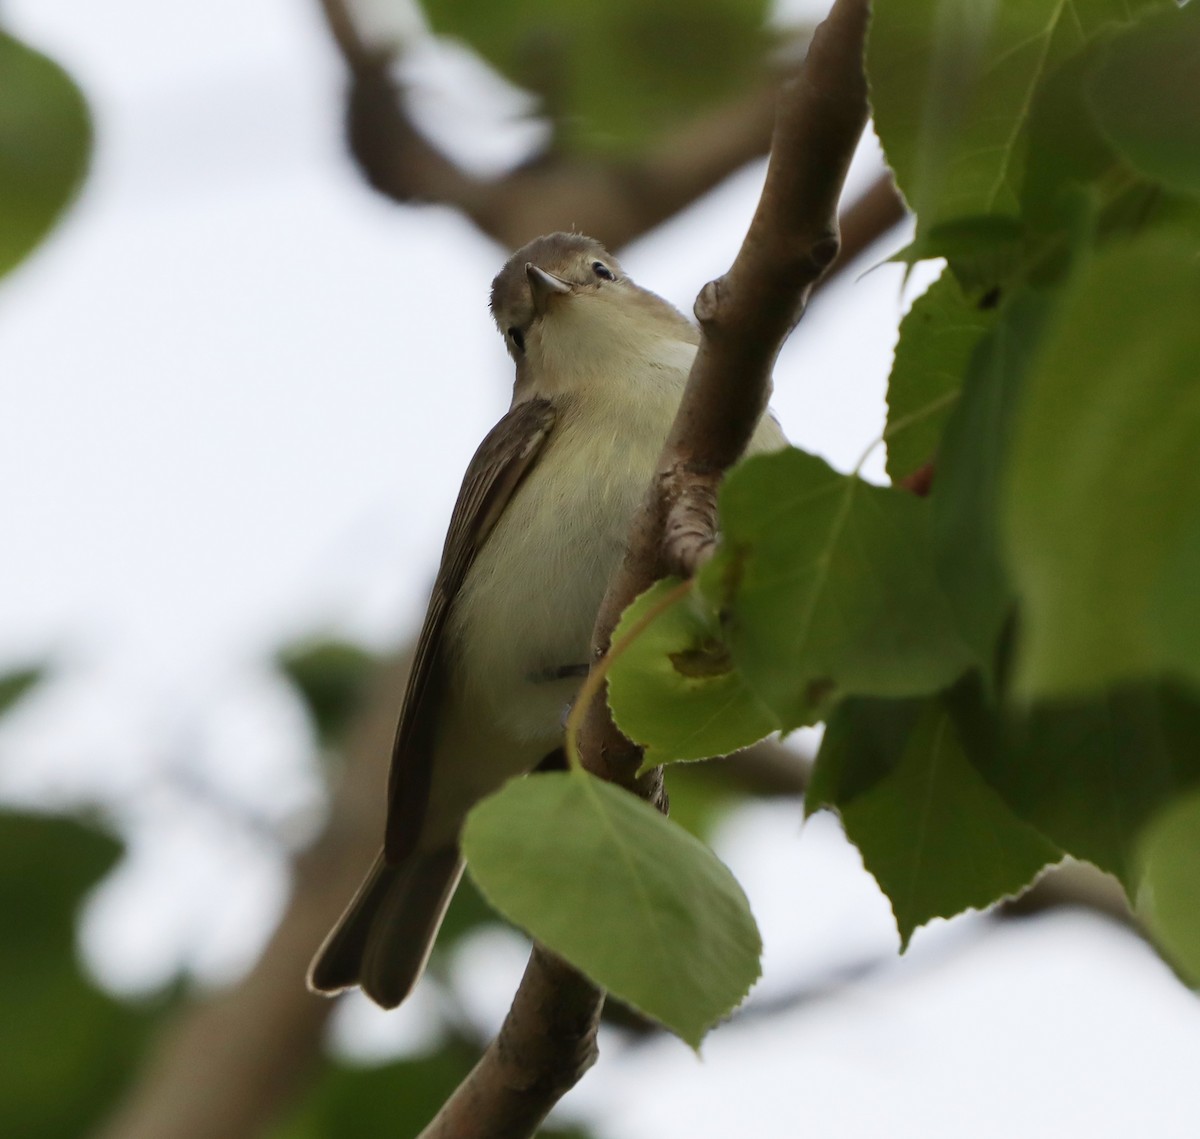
674,689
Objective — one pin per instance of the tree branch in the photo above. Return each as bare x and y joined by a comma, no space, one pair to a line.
547,1042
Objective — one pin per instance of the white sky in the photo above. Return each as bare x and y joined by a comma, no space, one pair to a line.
220,382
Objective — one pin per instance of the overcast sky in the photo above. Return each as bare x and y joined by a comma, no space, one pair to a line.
238,393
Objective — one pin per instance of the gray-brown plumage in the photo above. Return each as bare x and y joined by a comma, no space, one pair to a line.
539,525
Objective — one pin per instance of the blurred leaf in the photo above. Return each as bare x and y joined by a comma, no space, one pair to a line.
627,896
1078,194
1144,97
612,74
1169,862
332,678
1088,773
937,338
45,137
936,837
69,859
971,465
1071,168
1104,489
826,585
68,1048
14,685
952,84
674,689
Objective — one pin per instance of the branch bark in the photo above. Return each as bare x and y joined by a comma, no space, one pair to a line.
547,1042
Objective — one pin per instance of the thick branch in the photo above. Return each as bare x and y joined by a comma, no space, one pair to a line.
547,1042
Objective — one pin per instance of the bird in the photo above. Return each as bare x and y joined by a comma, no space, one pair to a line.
540,523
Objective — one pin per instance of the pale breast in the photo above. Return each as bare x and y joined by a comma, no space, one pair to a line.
529,602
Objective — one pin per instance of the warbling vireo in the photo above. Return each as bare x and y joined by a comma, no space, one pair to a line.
540,523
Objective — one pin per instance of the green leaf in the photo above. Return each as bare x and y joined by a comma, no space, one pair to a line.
1144,97
1169,860
635,902
45,137
971,464
952,84
674,689
826,584
332,677
58,1030
1088,773
614,73
937,337
1104,486
936,837
14,685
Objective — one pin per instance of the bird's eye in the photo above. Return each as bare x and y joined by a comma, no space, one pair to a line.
603,271
518,338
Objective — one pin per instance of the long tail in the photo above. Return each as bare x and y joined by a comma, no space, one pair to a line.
384,938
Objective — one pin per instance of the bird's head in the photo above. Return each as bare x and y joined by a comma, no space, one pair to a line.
564,306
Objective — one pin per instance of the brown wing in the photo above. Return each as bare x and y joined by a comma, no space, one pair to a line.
497,468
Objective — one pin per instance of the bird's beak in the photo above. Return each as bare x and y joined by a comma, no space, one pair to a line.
543,286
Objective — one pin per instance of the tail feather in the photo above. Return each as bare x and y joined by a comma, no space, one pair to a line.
384,938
